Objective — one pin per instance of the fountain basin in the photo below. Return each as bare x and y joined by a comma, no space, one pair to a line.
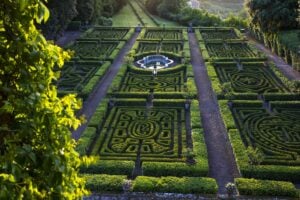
155,62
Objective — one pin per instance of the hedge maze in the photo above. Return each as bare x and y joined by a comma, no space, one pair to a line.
93,54
94,49
229,50
167,82
153,134
165,34
276,133
249,78
107,33
218,34
160,46
262,114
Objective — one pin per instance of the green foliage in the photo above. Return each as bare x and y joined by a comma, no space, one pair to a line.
104,183
253,187
185,185
271,16
35,123
62,14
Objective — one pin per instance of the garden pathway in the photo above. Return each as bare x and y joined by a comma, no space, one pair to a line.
286,69
100,91
68,37
222,164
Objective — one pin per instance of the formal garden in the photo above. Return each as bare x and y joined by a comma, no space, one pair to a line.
149,99
148,130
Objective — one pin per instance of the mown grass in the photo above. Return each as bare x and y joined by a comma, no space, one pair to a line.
126,18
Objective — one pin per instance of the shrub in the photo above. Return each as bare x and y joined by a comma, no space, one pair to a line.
104,182
255,187
170,184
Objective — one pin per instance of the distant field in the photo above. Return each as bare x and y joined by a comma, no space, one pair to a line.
223,7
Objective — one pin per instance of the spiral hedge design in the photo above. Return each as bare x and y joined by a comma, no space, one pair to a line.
93,49
163,34
154,133
135,82
250,79
219,34
230,50
174,47
113,34
277,134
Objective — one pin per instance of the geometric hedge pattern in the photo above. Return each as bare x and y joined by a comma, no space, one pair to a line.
229,50
163,34
107,33
94,49
136,82
154,46
219,34
74,76
155,133
277,134
251,79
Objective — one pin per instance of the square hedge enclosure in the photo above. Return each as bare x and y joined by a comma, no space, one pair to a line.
110,33
81,77
156,134
93,49
160,46
249,78
275,131
230,50
159,137
146,82
163,34
218,34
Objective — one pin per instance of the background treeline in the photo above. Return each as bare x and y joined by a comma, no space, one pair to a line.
62,13
177,10
274,23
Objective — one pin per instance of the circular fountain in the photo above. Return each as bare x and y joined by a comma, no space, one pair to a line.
155,62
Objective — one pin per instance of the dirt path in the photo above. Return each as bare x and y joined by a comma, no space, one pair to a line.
286,69
222,164
100,91
68,37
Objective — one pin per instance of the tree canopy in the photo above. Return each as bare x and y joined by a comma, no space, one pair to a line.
37,156
273,15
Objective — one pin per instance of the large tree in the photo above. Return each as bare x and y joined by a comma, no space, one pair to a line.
61,14
272,15
37,156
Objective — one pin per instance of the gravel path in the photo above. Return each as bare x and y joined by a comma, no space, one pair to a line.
222,164
100,91
68,37
286,69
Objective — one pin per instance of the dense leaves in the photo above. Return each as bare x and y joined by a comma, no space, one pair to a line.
273,15
37,157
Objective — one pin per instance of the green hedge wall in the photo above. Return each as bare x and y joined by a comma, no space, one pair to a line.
104,182
254,187
169,184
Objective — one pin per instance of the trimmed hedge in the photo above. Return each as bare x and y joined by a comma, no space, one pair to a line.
226,115
182,169
86,140
170,184
104,182
269,172
115,167
254,187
